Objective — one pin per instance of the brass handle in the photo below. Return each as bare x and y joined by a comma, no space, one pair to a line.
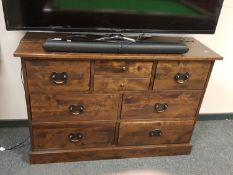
161,107
76,109
75,137
155,133
182,77
122,85
59,78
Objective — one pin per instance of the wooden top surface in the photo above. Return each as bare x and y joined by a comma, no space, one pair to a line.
31,47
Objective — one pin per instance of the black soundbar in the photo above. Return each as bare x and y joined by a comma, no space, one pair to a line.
143,47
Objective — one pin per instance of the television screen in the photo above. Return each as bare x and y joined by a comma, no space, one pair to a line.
125,16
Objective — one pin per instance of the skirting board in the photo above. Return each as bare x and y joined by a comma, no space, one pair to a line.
201,117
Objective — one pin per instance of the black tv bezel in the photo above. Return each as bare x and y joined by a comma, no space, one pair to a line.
108,30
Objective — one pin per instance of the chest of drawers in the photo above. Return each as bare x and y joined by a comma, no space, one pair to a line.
102,106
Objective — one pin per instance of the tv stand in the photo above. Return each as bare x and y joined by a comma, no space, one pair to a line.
90,106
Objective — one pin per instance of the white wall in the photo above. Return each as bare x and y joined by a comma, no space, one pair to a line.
218,98
12,102
219,95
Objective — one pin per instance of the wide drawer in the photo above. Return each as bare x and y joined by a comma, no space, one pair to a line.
162,104
155,132
72,137
121,84
123,68
58,76
73,107
177,75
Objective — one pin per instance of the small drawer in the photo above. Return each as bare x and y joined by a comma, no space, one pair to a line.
155,132
127,69
178,75
72,137
58,76
73,107
162,104
121,84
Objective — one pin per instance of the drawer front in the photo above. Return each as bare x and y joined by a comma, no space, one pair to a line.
121,84
74,107
123,68
176,75
78,136
151,133
162,104
58,76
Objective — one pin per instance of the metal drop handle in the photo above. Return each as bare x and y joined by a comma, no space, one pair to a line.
59,78
76,109
161,107
75,137
182,77
155,133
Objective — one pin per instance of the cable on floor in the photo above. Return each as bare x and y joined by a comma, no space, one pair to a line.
17,146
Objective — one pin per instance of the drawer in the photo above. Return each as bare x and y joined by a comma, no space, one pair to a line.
121,84
72,137
178,75
73,107
162,104
58,76
155,132
127,69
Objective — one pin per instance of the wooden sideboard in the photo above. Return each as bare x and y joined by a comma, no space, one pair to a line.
89,106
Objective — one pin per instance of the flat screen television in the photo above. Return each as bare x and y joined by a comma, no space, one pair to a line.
113,16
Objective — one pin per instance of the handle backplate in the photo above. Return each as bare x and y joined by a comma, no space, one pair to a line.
76,109
59,78
161,107
182,77
155,133
75,137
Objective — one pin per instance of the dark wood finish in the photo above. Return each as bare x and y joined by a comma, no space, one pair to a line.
119,69
31,47
27,97
120,84
94,135
203,92
152,79
39,72
90,106
55,107
92,76
39,157
118,119
138,133
181,104
167,70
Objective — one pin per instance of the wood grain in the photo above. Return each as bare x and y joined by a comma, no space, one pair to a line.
120,84
31,47
27,97
54,107
152,79
137,133
129,69
181,104
39,72
166,71
52,156
94,135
